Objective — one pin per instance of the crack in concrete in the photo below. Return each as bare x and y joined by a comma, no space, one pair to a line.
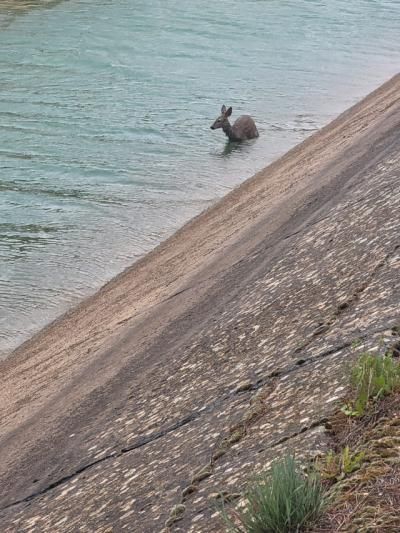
141,441
317,423
320,422
310,360
147,439
345,305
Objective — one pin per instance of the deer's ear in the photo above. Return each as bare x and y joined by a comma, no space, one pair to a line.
229,112
223,109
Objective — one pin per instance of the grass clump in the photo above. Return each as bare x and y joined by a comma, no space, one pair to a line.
372,377
284,500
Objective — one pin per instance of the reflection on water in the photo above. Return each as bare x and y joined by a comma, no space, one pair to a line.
105,108
237,148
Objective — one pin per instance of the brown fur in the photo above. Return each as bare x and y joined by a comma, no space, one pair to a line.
243,128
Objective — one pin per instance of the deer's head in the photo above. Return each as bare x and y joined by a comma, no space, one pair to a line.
222,119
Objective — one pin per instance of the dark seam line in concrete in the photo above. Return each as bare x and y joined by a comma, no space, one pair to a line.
320,422
178,293
142,441
323,420
300,363
215,276
254,255
305,228
354,297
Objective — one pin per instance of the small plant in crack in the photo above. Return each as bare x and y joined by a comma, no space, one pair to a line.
349,410
282,500
336,466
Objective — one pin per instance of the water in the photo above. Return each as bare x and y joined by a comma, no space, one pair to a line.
105,108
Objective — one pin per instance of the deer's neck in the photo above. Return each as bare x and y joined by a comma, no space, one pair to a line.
228,130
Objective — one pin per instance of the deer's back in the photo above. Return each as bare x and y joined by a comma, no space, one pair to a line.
245,128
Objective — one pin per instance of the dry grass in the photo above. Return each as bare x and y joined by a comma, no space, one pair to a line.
368,500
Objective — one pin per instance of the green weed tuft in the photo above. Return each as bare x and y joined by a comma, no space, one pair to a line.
283,500
336,466
372,377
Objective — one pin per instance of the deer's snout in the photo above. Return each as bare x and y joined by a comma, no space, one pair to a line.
212,127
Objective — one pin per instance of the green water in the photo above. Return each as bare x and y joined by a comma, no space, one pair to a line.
105,108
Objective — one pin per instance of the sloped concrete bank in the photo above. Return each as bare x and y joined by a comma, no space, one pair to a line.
223,348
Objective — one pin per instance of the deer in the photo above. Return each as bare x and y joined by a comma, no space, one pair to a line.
244,127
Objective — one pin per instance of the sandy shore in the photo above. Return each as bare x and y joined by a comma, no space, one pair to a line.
70,375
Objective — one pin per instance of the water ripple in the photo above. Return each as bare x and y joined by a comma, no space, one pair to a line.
105,108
